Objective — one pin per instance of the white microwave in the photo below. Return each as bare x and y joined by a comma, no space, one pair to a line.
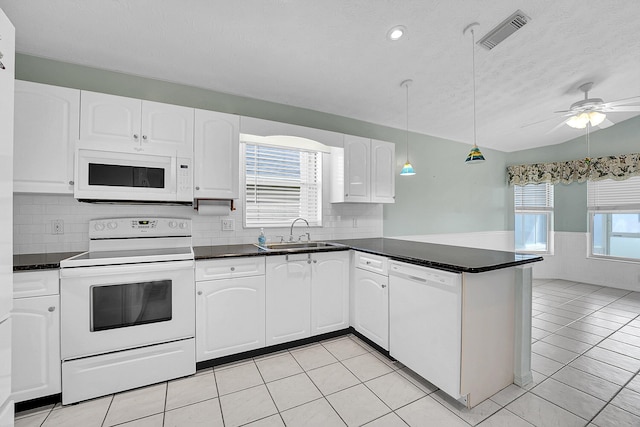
132,175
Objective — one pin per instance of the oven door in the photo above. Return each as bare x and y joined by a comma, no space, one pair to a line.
112,308
131,176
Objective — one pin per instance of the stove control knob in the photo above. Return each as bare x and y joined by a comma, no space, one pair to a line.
173,224
183,225
99,226
112,225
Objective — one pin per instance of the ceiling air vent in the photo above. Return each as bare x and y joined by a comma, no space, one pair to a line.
504,30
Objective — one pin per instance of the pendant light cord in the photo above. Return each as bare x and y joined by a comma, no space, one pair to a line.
407,135
473,69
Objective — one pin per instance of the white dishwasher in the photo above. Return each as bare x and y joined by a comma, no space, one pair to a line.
425,321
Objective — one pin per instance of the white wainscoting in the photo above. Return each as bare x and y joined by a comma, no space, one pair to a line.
570,262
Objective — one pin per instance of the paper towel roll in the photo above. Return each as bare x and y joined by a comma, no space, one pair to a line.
214,207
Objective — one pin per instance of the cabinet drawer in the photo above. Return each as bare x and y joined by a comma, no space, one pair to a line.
375,263
36,283
228,268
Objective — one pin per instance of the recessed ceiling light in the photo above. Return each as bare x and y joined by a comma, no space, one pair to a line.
396,32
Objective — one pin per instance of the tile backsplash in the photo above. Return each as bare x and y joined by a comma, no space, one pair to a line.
34,216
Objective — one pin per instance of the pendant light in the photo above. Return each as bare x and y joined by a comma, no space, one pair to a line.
407,169
474,156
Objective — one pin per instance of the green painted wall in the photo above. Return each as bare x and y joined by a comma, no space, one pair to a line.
570,200
445,196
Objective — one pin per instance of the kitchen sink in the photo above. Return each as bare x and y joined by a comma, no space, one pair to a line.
296,246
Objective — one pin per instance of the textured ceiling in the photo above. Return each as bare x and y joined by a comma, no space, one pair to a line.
333,56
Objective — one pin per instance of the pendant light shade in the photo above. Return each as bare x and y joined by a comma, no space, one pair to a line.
475,155
407,169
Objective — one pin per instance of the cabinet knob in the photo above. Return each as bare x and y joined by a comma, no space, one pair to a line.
70,182
346,195
233,269
383,286
51,309
144,137
197,188
315,261
135,136
199,292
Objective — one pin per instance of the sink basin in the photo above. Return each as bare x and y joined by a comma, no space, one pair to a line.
296,246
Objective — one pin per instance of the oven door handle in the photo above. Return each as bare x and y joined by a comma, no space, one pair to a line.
148,267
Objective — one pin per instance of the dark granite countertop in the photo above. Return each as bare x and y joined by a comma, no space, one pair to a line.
48,261
457,259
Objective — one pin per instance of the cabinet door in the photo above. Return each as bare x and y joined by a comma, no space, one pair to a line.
216,159
329,292
356,169
168,126
383,177
35,347
45,132
109,118
371,306
229,316
288,287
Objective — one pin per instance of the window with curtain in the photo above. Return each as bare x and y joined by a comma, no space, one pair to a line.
281,184
614,216
533,205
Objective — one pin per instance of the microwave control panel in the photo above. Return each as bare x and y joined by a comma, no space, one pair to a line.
185,180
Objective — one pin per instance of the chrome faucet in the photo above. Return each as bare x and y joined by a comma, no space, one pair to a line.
291,231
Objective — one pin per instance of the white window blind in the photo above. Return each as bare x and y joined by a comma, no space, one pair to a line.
533,197
281,185
614,195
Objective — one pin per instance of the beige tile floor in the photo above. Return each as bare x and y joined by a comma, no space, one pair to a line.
586,359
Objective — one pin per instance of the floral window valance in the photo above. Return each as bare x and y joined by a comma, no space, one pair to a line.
614,167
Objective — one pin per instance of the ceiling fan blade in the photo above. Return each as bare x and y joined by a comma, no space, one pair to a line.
632,100
555,128
605,124
564,111
621,109
538,122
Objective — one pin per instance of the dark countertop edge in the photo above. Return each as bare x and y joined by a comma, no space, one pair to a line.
52,261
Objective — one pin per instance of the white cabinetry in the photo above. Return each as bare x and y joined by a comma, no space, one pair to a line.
370,293
363,171
329,292
288,286
45,132
307,294
35,344
216,159
230,308
117,119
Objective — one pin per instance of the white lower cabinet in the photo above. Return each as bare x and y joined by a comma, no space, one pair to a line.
329,292
230,308
288,284
307,294
371,306
35,343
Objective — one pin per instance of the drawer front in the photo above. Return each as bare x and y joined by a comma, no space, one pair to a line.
374,263
229,268
36,283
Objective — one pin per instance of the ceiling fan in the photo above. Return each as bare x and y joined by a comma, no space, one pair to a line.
593,111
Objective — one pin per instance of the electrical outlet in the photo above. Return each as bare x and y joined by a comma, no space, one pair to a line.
57,226
228,225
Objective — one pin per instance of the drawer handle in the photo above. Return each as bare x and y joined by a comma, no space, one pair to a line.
368,262
233,269
51,309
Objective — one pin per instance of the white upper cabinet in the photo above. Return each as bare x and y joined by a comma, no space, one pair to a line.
117,119
45,133
383,177
216,155
363,171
